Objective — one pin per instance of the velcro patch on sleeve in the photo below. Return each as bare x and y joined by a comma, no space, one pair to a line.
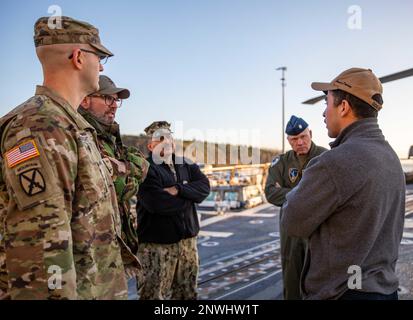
23,152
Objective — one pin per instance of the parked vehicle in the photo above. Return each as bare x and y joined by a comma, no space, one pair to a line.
233,197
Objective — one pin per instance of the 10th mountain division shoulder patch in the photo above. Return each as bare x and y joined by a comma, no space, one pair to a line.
32,182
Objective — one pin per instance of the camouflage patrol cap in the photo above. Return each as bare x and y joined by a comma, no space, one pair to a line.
158,127
107,86
71,31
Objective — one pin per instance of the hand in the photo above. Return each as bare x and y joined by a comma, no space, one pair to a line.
130,272
173,191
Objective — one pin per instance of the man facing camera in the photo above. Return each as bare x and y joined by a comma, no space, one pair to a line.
284,174
167,220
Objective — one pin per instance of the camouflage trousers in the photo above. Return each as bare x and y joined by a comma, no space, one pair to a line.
3,273
169,271
293,252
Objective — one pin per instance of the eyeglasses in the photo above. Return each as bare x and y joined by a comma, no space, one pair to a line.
109,100
162,136
102,58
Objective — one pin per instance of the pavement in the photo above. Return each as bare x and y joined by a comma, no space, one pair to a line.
226,241
404,267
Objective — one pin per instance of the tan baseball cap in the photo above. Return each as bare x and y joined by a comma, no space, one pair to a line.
69,31
107,86
361,83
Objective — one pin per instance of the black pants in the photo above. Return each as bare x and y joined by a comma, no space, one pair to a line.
358,295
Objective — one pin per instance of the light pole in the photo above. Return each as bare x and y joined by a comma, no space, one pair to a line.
283,84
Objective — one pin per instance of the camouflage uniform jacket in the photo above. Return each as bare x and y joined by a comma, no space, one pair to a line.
129,171
58,212
286,172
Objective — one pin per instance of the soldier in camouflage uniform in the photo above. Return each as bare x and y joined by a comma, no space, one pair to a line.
284,174
129,165
167,220
59,222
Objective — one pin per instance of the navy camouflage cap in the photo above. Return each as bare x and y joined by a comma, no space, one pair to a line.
158,128
295,126
70,31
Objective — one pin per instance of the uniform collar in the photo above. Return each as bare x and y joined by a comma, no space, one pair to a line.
361,128
309,153
72,113
150,159
313,149
108,132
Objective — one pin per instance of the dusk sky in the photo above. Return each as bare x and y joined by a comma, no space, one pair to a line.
210,65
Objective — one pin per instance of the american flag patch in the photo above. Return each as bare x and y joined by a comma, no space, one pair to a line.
22,153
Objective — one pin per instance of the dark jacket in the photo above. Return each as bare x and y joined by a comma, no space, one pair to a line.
350,203
163,218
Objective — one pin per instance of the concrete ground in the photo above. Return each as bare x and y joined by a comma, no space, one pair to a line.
227,240
404,266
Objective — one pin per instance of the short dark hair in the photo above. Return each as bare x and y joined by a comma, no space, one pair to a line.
360,108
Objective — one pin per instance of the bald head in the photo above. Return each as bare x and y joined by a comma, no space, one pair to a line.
56,55
69,65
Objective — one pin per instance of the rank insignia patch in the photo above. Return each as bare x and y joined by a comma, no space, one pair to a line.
275,161
22,153
293,174
32,182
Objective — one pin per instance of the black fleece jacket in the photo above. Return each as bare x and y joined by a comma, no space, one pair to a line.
166,219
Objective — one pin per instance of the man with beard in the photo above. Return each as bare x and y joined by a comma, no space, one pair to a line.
128,164
167,220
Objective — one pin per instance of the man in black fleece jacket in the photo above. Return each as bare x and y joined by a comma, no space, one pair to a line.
350,202
167,220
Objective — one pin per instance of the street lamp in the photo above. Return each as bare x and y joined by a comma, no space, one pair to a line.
283,85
